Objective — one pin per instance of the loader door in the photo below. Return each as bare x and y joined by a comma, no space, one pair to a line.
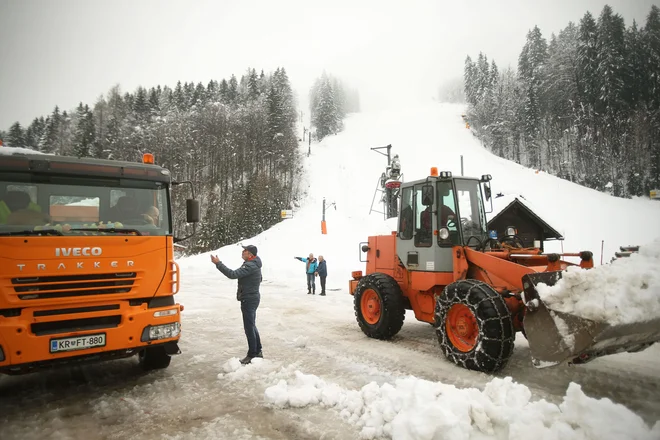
416,239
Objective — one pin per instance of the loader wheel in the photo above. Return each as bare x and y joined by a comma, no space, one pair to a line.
379,306
474,326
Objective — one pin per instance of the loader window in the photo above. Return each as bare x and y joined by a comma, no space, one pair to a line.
423,220
447,217
471,210
406,217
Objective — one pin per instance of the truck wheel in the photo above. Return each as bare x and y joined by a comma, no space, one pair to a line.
474,326
379,306
154,358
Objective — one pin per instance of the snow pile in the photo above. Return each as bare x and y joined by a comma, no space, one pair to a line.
414,409
8,151
626,291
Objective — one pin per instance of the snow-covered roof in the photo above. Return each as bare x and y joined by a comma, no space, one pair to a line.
8,151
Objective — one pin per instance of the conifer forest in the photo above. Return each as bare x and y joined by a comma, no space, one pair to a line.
583,105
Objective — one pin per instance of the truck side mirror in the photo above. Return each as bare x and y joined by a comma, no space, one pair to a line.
487,191
427,195
192,211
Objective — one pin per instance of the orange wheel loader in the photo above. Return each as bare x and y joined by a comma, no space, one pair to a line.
477,291
87,270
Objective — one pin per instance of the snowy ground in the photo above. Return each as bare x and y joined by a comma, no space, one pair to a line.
321,378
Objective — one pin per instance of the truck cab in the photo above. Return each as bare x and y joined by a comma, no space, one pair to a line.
87,268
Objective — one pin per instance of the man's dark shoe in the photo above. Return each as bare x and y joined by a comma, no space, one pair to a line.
246,360
309,292
322,293
260,355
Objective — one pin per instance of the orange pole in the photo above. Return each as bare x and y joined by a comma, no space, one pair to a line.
324,229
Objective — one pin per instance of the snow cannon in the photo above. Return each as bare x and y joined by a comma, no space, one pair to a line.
555,336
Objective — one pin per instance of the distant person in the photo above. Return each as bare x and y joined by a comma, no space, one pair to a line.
125,209
395,168
17,201
151,215
17,208
322,272
406,222
249,280
447,215
309,270
424,234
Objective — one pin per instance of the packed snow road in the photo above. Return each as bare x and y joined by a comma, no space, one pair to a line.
203,395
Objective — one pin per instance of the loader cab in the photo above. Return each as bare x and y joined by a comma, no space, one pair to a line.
438,213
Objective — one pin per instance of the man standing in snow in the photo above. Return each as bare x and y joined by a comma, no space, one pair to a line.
322,272
249,280
309,270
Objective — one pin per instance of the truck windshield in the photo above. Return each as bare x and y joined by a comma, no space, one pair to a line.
82,206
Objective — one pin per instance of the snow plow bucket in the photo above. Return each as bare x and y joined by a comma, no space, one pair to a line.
555,337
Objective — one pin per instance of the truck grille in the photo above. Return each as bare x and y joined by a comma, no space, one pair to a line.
75,325
30,288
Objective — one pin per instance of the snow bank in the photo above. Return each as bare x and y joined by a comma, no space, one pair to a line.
417,409
8,151
626,291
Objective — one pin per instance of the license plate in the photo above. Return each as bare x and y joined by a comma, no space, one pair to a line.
77,343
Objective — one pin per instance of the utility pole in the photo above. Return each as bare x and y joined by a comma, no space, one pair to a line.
309,149
388,147
324,228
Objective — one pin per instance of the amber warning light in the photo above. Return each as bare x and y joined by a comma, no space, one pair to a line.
148,158
434,171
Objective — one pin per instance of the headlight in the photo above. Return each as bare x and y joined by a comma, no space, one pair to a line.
511,231
443,233
162,331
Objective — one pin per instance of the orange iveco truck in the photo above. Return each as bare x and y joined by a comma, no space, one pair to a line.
87,270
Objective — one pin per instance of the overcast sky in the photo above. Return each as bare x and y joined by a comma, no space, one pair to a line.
67,51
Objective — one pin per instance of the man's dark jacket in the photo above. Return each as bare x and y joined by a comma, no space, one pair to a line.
322,269
248,275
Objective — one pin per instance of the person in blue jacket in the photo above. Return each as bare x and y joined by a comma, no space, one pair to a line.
310,270
322,272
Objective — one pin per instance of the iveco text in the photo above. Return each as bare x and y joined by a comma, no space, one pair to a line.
77,252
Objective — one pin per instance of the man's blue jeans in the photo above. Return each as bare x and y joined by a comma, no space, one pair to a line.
249,307
310,282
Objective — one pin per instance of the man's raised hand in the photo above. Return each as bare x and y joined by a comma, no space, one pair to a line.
215,259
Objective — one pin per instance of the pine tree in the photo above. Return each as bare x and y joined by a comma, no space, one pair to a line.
651,38
232,91
253,85
50,138
16,136
470,81
154,101
325,119
85,134
610,50
531,65
141,106
179,97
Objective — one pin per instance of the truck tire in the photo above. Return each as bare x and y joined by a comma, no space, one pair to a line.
154,358
379,308
474,326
